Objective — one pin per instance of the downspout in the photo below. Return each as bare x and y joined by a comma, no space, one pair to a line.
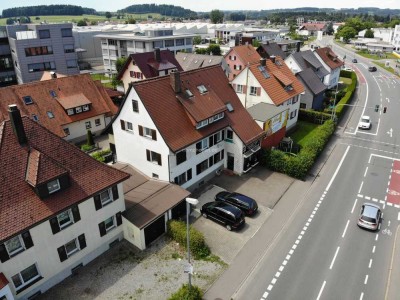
247,81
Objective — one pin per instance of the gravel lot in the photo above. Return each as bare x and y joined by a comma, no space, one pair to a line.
124,272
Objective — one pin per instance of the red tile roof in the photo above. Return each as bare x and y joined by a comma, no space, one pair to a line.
246,53
173,120
20,207
66,89
329,57
149,66
72,101
280,76
314,26
3,281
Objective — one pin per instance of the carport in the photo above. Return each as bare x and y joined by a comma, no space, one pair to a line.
149,203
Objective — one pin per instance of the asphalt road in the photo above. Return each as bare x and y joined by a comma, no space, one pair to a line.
323,254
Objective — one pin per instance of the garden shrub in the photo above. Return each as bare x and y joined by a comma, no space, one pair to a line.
99,155
198,247
184,294
298,166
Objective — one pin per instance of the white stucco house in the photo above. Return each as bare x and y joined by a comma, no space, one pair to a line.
330,62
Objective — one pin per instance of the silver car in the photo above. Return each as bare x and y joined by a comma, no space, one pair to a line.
370,216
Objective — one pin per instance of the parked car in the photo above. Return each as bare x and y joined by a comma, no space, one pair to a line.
348,69
370,216
228,215
365,122
246,204
372,69
354,60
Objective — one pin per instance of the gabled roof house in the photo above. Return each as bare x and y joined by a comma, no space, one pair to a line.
192,61
332,63
66,106
59,207
239,57
185,127
146,65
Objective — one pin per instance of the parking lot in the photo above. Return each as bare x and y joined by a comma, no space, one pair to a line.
264,186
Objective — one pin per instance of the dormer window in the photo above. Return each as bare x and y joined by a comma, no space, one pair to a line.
35,118
28,100
70,112
78,109
50,115
202,89
288,88
53,94
202,124
86,107
53,186
189,93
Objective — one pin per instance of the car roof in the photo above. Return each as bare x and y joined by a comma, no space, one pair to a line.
370,210
365,117
228,208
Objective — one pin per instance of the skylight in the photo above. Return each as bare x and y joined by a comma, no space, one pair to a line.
189,93
263,71
28,100
50,114
278,63
35,118
202,89
53,93
229,107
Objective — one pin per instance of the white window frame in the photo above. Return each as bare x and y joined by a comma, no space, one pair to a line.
129,126
25,283
147,132
113,224
78,109
97,122
154,157
204,144
105,197
17,250
69,222
202,124
219,136
73,251
88,124
70,112
85,107
253,90
239,88
55,184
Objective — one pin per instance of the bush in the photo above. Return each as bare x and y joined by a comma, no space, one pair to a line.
86,147
177,231
298,166
100,155
184,294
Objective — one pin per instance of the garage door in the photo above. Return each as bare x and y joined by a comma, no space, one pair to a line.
154,230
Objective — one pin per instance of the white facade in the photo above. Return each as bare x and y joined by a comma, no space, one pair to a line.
292,64
382,34
332,79
78,130
396,38
44,252
126,77
6,292
246,78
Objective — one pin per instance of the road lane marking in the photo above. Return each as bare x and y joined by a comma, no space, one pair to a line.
269,288
370,264
359,190
366,170
281,268
354,205
274,280
376,238
334,258
338,167
265,295
277,274
361,296
373,249
366,279
321,290
344,232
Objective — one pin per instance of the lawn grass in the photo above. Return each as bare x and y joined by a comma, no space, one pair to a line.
375,56
303,133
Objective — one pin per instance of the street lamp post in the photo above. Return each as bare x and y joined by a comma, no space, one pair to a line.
333,114
188,202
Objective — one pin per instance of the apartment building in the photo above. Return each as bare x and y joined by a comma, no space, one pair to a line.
7,73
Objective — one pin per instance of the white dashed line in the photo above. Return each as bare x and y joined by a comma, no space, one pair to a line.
367,197
362,182
366,170
273,281
366,279
287,257
269,288
277,274
334,257
377,235
284,262
373,249
344,232
281,268
321,290
370,264
291,251
354,205
361,296
265,295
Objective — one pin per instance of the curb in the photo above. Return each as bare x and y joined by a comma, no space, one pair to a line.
391,265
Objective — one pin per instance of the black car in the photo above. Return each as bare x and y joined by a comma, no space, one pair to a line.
246,204
354,60
228,215
372,69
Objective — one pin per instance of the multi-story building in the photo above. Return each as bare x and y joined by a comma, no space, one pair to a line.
185,127
239,57
115,46
7,73
42,47
331,62
59,208
396,39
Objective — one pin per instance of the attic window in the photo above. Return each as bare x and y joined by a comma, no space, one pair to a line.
35,118
278,63
288,88
28,100
189,93
202,89
50,114
53,94
263,71
229,107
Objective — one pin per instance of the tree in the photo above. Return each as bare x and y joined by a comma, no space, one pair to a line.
119,63
369,33
329,29
216,16
256,43
130,21
347,33
201,51
89,138
81,23
214,49
108,15
197,40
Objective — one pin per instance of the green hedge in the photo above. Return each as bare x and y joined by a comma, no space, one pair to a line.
198,247
298,166
313,116
184,294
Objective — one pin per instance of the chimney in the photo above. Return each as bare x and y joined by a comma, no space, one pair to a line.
298,46
16,122
272,57
157,54
53,75
176,81
263,62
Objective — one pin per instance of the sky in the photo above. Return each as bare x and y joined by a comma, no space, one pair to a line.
208,5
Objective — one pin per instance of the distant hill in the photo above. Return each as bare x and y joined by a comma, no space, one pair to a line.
165,10
47,10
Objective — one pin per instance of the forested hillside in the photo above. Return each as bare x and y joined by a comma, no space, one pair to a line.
165,10
47,10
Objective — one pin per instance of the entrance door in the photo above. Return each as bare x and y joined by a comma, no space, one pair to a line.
231,162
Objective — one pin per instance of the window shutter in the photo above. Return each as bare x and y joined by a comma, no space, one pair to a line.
240,67
189,174
258,91
159,159
102,229
122,124
211,141
223,135
115,192
62,253
140,130
54,225
119,218
3,253
75,213
215,139
154,134
148,154
198,147
26,236
82,241
244,89
222,154
97,202
131,73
